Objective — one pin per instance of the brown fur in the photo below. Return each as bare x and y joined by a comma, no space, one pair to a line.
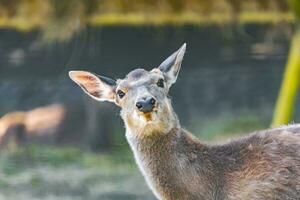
264,165
177,166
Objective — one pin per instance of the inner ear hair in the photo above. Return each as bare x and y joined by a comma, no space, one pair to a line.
98,87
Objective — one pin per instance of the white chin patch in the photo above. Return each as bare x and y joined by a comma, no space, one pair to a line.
145,118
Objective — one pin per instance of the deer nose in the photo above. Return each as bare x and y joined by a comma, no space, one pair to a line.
146,105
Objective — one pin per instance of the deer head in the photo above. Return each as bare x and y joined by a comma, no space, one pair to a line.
142,95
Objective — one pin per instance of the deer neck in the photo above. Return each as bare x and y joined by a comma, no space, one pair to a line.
155,157
162,158
154,142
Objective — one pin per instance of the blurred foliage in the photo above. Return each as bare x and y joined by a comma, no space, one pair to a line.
61,19
295,7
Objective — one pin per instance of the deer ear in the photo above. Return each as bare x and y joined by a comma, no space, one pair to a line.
98,87
171,66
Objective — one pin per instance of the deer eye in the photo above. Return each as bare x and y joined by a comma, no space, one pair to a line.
120,93
160,83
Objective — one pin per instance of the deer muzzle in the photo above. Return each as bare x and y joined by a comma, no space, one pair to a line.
146,104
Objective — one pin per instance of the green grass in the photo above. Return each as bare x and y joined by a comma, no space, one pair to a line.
15,160
44,172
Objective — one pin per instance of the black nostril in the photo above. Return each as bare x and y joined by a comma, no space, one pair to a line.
139,105
146,105
152,101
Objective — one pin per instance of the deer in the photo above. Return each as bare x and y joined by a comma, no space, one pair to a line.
178,166
40,125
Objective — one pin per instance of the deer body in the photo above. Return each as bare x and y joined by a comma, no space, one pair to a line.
178,166
264,165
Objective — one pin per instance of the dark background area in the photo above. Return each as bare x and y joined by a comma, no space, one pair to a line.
230,72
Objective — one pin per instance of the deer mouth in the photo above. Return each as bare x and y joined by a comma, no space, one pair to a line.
148,116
